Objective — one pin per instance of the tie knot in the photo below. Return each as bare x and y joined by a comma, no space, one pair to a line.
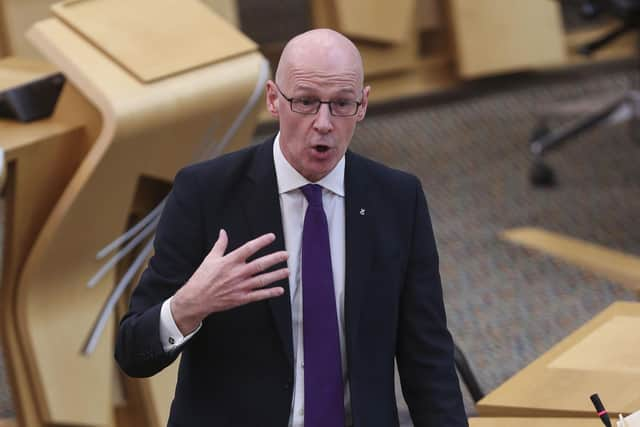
313,193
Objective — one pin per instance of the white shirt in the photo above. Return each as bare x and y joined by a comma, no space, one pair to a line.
293,206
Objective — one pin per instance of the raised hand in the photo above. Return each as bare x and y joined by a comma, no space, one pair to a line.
223,282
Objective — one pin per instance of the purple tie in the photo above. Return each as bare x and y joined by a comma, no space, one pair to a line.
323,388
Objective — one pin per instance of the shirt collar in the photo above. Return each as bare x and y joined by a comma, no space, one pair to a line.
290,179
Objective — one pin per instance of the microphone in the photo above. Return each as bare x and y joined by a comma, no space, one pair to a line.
602,413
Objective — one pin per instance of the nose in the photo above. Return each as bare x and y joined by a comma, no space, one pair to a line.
322,122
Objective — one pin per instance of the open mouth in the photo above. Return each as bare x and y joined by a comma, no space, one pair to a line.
321,148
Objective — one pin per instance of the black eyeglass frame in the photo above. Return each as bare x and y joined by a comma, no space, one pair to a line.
329,103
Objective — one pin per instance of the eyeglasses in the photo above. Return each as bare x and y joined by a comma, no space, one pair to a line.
310,106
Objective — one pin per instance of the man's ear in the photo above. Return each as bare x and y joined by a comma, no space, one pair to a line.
365,103
272,99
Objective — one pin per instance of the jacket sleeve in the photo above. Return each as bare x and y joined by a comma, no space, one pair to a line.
178,250
425,352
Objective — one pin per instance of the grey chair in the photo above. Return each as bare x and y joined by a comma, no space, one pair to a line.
624,107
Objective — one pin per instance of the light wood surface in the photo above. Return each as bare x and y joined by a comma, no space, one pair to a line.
16,16
483,37
594,352
228,9
494,36
615,265
381,21
196,36
73,180
552,387
41,158
379,59
429,75
15,71
429,14
4,41
593,421
391,59
147,130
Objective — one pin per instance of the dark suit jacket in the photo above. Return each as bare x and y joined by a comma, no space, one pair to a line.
238,369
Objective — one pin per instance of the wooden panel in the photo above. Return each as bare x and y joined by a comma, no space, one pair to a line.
228,9
617,266
497,36
4,42
592,421
135,34
19,15
15,71
541,389
172,119
430,75
42,157
429,14
378,58
376,20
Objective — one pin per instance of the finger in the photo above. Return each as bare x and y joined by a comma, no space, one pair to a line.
221,244
263,294
263,263
265,279
251,247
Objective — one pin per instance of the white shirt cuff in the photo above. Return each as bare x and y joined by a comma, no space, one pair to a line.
170,336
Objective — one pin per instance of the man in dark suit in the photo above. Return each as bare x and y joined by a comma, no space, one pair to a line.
312,342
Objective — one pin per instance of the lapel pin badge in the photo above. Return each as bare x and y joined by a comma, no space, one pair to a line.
362,211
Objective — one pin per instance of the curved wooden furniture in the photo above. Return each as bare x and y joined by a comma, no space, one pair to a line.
16,16
536,422
41,157
600,356
617,266
137,130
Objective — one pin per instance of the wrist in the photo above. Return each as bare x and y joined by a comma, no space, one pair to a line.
184,314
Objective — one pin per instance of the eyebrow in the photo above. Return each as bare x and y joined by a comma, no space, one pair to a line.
342,91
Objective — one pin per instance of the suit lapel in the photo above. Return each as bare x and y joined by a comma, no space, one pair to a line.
262,207
358,244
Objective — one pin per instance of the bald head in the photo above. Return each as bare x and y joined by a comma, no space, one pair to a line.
321,48
318,98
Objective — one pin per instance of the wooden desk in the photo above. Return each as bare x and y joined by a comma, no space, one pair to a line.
617,266
535,422
40,155
73,181
600,357
15,71
16,16
498,36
